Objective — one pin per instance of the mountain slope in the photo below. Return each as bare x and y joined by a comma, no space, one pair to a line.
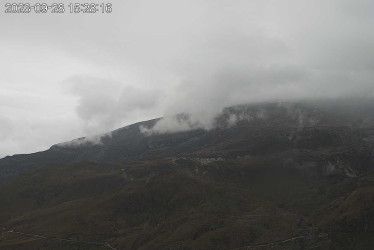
257,129
284,176
171,203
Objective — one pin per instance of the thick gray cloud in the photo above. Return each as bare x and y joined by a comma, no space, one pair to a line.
94,72
103,104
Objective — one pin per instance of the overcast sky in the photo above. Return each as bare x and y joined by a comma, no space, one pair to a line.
64,76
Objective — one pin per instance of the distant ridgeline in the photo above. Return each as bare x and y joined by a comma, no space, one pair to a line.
236,132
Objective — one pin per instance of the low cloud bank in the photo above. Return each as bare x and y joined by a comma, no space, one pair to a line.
296,114
178,123
85,141
185,122
160,58
245,52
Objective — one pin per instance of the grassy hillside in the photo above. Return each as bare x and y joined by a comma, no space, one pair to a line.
166,204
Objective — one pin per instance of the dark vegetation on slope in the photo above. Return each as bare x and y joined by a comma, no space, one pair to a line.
287,171
160,204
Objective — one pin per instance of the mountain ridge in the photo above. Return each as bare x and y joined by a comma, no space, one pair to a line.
288,120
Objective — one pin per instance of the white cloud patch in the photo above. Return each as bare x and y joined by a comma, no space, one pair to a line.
178,123
86,141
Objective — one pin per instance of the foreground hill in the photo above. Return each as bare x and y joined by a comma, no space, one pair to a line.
183,204
280,177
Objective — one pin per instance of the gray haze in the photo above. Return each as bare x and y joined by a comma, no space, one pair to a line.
63,76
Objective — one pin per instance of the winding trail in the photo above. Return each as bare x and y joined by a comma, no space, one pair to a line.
280,241
7,230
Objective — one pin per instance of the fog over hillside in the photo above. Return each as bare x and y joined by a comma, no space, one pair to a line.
187,124
73,75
